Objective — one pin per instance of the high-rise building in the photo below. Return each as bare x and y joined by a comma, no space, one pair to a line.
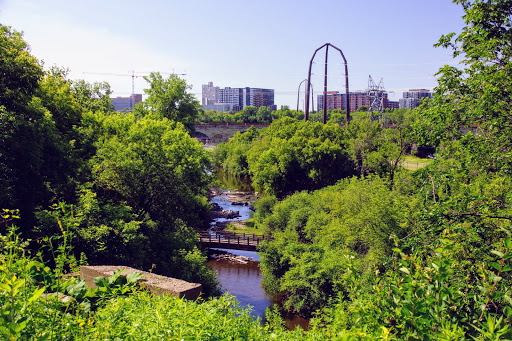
126,103
210,94
412,98
336,100
237,98
393,105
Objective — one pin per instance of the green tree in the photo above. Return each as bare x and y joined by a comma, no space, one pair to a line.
295,155
285,111
155,166
248,114
264,115
169,98
20,72
315,232
478,94
93,97
32,148
373,148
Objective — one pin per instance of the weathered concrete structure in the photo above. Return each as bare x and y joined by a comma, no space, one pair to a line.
222,132
157,284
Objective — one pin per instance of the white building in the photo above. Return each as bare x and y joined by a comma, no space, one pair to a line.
237,98
412,98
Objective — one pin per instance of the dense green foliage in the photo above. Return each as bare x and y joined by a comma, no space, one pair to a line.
129,187
412,301
293,155
371,250
289,155
168,98
313,233
263,115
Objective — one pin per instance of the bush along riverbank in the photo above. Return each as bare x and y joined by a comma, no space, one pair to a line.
425,299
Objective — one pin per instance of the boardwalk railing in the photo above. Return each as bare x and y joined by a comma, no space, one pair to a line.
231,240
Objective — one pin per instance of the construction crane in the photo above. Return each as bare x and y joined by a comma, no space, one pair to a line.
133,75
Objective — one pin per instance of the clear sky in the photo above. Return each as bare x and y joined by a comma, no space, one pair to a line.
239,43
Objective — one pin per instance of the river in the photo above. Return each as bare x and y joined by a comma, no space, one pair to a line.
244,280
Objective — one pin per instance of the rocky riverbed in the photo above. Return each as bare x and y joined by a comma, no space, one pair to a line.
230,207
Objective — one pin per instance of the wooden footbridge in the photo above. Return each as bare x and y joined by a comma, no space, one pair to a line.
231,240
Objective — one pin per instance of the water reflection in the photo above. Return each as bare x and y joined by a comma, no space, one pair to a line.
244,282
233,182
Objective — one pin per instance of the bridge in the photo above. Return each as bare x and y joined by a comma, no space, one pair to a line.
231,240
221,132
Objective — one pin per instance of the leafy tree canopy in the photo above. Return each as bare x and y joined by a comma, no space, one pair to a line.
169,98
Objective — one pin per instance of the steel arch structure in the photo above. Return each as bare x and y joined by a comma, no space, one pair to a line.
306,114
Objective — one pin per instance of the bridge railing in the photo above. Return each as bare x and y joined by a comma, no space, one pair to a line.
232,240
221,124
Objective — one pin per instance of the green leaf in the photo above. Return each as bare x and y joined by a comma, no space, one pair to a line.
506,268
508,242
17,284
17,327
495,265
134,277
36,295
495,278
405,270
498,253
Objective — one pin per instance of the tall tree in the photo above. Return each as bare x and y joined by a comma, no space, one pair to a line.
154,166
479,93
20,72
94,96
264,115
22,123
169,98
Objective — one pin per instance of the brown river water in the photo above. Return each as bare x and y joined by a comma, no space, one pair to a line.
244,282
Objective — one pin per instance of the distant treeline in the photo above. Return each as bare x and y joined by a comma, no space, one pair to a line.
252,114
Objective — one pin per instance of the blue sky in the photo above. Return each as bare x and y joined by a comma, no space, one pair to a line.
263,43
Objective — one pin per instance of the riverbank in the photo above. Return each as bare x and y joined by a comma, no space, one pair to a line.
230,207
238,271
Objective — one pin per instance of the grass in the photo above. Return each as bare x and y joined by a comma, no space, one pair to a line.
244,226
414,163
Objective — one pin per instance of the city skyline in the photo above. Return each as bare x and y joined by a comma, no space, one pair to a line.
265,44
235,99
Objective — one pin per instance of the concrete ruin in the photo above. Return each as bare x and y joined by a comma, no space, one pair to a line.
157,284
